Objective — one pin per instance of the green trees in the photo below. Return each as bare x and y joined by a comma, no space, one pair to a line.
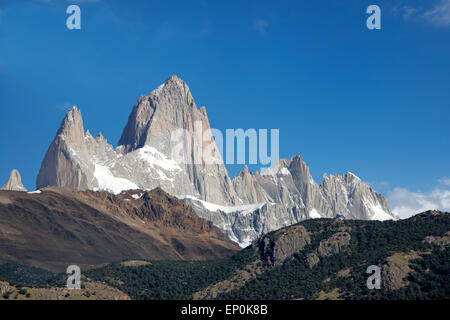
371,243
170,279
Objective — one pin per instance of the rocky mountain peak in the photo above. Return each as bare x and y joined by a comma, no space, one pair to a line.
148,156
72,120
143,158
172,100
68,150
172,84
101,139
351,178
72,128
173,80
14,182
301,174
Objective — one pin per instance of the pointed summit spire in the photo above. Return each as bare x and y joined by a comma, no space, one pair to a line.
173,79
15,182
72,127
167,104
72,119
177,87
59,167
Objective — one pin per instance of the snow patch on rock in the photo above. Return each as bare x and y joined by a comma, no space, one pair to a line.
108,182
155,158
213,207
314,214
379,214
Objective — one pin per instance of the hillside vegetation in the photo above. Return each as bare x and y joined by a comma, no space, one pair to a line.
315,259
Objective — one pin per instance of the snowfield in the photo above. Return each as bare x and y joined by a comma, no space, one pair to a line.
108,182
242,209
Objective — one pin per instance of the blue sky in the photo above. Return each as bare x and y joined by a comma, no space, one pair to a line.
373,102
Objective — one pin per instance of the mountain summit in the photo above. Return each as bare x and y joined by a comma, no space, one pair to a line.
154,119
172,98
67,153
14,182
244,208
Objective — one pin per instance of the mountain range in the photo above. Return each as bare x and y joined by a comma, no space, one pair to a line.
244,208
143,225
324,259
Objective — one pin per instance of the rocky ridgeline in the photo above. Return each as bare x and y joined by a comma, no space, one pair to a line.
55,228
246,207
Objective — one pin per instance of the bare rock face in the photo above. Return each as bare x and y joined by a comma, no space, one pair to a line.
244,208
291,195
328,247
4,287
154,120
348,196
67,162
396,269
442,242
143,159
14,182
55,228
334,244
292,186
285,243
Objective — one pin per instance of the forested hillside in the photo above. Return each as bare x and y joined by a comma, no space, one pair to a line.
315,259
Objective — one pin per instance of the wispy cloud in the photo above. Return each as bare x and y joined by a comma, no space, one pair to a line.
260,25
406,203
382,183
439,15
408,12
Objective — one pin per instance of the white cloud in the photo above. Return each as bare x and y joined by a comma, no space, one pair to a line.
406,203
408,12
439,15
445,181
260,25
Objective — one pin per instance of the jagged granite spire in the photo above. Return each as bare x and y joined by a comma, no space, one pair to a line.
245,208
62,163
72,127
14,182
170,98
167,109
289,195
143,158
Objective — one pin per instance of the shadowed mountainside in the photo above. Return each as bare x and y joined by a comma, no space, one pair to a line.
56,228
